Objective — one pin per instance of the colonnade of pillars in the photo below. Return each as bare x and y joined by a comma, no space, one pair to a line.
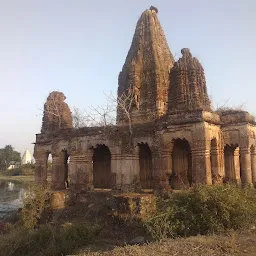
240,164
178,167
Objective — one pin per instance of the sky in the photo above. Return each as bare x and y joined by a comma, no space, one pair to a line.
79,47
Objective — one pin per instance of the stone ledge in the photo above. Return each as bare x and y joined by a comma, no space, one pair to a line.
192,117
232,116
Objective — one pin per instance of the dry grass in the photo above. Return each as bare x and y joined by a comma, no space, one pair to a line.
29,178
233,244
21,178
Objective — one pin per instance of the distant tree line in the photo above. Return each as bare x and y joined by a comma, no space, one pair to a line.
8,155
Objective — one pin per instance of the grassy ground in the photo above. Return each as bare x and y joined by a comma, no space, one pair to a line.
17,178
207,207
23,178
233,244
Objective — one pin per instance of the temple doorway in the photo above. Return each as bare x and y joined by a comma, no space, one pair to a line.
102,167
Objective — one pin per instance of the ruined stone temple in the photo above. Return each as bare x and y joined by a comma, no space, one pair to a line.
169,138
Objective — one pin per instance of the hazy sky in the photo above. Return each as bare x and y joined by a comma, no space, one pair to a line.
79,47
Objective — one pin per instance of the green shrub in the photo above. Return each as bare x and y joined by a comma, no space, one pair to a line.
47,240
12,172
36,200
204,210
27,169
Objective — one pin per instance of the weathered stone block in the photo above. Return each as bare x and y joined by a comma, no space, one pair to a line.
139,206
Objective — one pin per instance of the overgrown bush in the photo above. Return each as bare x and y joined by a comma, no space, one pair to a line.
36,200
12,172
204,210
47,240
27,169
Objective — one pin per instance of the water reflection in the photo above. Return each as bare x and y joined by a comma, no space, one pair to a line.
10,186
11,197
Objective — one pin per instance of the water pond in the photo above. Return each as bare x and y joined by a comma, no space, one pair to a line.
11,197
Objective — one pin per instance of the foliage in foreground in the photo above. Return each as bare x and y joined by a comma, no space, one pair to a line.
204,210
36,200
7,155
24,170
47,240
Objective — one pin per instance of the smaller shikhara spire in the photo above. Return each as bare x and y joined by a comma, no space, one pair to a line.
57,114
146,70
187,85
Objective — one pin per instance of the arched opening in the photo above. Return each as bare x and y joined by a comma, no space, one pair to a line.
101,167
145,161
232,163
182,165
49,166
66,168
214,161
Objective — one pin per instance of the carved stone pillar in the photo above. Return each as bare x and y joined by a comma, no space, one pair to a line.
162,170
116,179
130,172
81,172
221,165
232,165
201,166
217,165
236,166
41,168
58,171
229,159
246,166
253,166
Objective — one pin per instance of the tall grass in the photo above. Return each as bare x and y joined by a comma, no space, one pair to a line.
204,210
47,240
36,200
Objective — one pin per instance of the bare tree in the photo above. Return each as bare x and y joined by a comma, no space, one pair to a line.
104,115
124,103
79,118
96,116
224,108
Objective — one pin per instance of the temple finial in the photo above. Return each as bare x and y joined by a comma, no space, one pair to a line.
153,9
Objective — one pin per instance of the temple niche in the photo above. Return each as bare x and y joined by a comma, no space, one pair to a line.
173,141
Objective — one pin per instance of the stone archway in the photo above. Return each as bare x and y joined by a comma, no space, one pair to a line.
49,163
60,170
232,163
66,168
181,164
145,162
101,167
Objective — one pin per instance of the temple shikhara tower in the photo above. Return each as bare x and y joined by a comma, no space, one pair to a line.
146,70
166,137
26,158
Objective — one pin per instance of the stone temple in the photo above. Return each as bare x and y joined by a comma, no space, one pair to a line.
169,139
